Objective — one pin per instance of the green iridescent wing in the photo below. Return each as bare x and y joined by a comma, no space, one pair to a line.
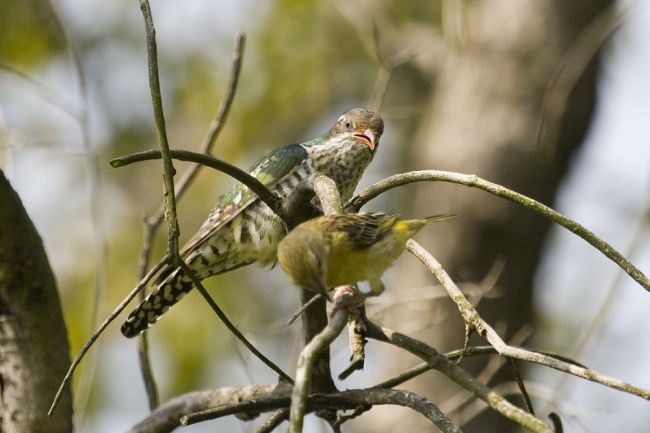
270,169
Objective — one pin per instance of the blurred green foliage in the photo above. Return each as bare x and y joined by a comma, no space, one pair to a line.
28,35
304,63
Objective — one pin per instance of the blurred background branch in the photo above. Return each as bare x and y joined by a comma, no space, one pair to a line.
469,99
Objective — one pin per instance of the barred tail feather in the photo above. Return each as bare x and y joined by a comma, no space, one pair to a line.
170,291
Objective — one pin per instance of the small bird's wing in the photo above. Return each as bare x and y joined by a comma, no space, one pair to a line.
270,170
363,230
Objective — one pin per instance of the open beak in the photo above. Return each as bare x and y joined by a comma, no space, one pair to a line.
368,137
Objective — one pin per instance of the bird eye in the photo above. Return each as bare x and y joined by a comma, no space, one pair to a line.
348,125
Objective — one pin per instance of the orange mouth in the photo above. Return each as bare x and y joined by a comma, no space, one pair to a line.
366,140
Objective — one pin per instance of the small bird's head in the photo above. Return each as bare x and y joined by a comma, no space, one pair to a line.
364,125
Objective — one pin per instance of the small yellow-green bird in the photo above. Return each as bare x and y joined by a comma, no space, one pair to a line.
335,250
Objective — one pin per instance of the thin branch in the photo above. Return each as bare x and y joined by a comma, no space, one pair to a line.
273,421
144,360
215,127
161,132
263,403
592,329
231,327
146,371
453,355
456,401
569,70
101,328
460,376
306,364
387,66
303,308
471,317
372,397
94,198
152,223
472,181
521,385
357,342
297,207
350,399
237,173
48,94
168,415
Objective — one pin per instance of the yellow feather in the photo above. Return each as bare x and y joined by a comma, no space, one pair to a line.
321,253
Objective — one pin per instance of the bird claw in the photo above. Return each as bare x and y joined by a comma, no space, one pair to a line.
348,297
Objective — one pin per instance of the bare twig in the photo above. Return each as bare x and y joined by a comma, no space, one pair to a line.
521,385
569,70
168,415
357,342
303,308
101,328
314,320
471,317
274,421
152,223
493,365
453,355
44,91
591,329
277,399
215,127
297,207
371,397
454,27
144,360
355,203
460,376
146,371
231,327
387,66
237,173
161,132
306,364
94,198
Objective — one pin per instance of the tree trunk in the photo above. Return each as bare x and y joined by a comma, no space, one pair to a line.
34,351
483,119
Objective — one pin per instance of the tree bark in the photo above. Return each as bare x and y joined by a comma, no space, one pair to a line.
34,351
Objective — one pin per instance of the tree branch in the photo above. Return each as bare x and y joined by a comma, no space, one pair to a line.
306,365
315,326
472,318
231,327
152,223
34,348
355,203
161,132
88,344
455,355
460,376
264,398
168,415
271,200
215,127
273,421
